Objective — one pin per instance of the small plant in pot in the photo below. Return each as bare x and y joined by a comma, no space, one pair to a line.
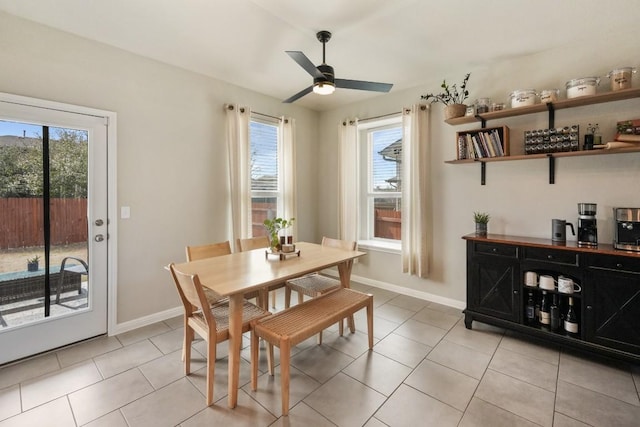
481,219
273,227
32,263
452,98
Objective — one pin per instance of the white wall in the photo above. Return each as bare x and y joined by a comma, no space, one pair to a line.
517,194
172,163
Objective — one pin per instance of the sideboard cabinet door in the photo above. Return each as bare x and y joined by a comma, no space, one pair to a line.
612,293
493,280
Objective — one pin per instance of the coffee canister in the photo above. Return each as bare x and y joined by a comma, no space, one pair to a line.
549,95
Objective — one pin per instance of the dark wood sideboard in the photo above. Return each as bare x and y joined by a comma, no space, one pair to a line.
607,307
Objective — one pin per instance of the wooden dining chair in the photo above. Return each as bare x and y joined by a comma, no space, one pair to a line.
259,242
211,250
211,322
315,284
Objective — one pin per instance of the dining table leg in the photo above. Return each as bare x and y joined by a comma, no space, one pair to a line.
235,343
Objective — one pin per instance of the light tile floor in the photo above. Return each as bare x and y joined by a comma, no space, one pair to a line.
426,369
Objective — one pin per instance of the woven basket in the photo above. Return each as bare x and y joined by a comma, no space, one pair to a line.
454,110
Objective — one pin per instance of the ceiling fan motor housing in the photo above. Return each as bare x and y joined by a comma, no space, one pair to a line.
327,71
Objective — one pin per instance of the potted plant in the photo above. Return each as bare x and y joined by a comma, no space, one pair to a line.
481,219
273,227
452,98
32,263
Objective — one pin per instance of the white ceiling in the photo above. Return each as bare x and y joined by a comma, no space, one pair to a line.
405,42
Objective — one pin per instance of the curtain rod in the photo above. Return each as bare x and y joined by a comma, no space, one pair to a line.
242,110
404,111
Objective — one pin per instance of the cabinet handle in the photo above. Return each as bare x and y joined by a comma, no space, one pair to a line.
619,265
494,250
589,307
515,292
549,256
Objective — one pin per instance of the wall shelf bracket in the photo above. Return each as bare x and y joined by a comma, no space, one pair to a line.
483,121
483,173
552,169
552,115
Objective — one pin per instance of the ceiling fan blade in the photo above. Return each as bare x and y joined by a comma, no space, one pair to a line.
363,85
305,63
298,95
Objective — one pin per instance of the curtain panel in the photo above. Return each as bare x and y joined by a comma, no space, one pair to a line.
286,133
348,181
416,192
237,136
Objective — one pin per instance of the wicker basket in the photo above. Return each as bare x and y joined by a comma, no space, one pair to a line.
454,110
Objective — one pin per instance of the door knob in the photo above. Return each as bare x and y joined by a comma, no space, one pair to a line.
99,238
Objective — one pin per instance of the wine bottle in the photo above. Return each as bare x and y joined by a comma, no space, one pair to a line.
530,310
571,320
554,312
544,310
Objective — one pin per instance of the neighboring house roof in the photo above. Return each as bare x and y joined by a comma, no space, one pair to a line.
393,151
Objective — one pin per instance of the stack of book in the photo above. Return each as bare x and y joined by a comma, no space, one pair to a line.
481,144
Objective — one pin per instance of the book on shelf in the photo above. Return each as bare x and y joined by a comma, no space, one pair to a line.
484,143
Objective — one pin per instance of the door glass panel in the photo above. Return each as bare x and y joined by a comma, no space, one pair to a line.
23,260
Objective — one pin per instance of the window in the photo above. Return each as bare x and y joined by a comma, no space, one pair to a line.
266,183
381,180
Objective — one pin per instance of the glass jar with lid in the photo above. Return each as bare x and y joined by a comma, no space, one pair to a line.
583,86
482,105
549,95
620,78
522,98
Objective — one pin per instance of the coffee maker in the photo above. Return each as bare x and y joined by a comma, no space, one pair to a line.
587,225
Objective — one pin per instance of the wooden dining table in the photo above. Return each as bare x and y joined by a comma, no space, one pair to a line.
239,273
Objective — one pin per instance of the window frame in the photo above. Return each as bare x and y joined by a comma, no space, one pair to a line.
366,209
278,194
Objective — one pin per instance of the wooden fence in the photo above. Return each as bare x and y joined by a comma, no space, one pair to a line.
21,222
388,224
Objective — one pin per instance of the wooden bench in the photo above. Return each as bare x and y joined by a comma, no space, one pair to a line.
294,325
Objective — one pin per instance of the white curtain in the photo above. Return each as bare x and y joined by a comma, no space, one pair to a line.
348,181
237,136
416,191
286,131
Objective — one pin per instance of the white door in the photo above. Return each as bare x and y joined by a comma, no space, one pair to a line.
55,214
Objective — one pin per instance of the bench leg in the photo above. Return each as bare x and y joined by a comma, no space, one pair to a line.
370,323
285,354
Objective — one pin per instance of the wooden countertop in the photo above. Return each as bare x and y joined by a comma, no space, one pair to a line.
604,249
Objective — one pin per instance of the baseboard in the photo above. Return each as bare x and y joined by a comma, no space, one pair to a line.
404,291
146,320
178,311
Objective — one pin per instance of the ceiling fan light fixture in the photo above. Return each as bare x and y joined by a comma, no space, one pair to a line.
324,88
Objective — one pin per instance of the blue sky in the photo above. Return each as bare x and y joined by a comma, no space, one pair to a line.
17,129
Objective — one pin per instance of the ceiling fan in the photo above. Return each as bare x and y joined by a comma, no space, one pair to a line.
324,81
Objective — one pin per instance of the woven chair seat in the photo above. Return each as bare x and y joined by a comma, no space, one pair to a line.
313,284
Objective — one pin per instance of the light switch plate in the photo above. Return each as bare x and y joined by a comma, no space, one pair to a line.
125,212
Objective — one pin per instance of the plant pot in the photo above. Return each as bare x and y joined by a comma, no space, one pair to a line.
481,228
454,110
32,266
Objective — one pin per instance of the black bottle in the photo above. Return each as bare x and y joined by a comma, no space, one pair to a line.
571,320
530,310
545,314
554,312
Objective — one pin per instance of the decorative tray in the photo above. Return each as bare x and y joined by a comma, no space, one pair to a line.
280,254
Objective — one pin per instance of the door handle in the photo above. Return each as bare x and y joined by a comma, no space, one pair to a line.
99,238
99,222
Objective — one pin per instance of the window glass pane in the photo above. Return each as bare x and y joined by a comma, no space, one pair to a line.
386,158
264,156
387,218
264,174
